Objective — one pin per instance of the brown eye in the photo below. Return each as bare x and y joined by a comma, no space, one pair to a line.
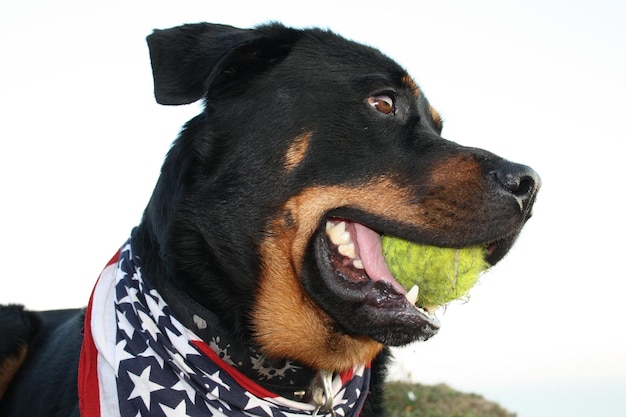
383,103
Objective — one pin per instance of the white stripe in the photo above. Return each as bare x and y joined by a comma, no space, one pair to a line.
103,331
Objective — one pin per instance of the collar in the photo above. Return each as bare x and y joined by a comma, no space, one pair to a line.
139,357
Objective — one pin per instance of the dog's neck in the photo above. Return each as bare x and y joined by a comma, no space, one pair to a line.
284,377
132,332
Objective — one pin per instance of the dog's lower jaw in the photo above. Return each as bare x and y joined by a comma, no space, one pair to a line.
292,326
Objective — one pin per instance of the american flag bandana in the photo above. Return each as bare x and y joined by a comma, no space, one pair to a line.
137,359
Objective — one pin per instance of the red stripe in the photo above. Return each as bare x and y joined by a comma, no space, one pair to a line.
346,376
88,393
240,378
88,389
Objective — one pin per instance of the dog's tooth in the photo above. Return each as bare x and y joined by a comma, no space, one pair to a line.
331,226
347,250
358,264
338,234
412,295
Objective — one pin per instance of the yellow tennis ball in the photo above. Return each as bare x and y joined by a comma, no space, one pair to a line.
442,274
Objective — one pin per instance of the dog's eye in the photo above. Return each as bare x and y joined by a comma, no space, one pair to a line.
383,103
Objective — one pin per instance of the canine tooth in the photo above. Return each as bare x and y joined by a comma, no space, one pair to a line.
413,294
358,264
347,250
338,234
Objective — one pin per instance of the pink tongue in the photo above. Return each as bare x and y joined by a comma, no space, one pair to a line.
371,253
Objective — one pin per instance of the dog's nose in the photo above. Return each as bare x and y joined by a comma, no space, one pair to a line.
520,181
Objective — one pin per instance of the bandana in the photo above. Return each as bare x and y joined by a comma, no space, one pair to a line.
137,359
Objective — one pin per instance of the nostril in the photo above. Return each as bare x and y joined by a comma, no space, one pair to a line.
519,180
526,185
515,184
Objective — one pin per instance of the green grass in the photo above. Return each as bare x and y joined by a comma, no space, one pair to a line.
417,400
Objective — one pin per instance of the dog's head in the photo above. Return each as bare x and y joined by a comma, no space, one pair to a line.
303,129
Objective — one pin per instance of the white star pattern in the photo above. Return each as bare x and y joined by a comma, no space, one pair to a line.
254,402
128,298
148,324
215,393
185,387
179,411
223,403
124,325
178,359
157,298
341,395
143,387
215,377
150,353
182,345
121,354
156,308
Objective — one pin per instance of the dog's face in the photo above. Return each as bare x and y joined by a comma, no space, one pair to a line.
304,130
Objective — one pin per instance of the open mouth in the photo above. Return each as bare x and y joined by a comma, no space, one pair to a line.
353,267
357,254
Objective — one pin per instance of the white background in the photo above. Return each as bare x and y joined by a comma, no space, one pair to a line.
538,82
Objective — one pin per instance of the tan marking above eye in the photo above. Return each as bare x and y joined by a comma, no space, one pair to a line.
434,114
296,151
409,82
383,103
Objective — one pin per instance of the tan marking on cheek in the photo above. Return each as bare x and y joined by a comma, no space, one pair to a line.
297,150
9,367
286,321
409,82
457,200
458,175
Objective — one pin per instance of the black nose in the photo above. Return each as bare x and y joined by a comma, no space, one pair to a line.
520,181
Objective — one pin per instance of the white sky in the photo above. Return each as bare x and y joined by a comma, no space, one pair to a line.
539,82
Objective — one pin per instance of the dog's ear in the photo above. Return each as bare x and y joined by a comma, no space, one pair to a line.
190,60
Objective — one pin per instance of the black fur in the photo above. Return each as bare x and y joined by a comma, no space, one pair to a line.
46,384
225,184
19,325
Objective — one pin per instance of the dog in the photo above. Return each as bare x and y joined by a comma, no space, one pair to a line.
229,298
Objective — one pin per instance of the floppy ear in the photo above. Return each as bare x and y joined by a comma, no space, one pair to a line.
189,60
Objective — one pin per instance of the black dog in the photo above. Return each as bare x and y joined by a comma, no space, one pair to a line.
230,298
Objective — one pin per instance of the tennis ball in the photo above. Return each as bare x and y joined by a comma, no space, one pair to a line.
442,274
